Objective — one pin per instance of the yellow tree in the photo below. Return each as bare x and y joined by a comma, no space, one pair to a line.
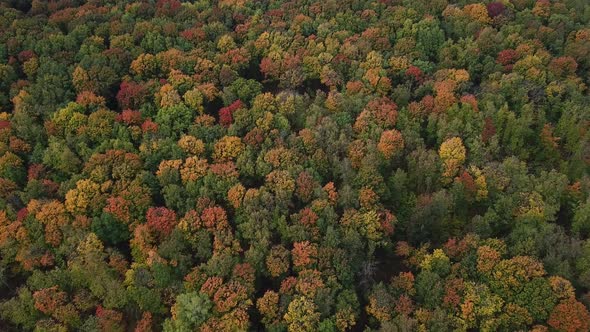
81,198
191,145
193,169
54,216
194,99
452,153
302,315
167,96
227,148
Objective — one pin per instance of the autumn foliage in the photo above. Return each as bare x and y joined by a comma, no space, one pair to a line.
293,166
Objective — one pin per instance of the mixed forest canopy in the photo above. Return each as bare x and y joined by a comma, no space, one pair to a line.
332,165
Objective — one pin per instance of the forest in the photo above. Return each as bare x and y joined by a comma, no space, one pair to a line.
294,165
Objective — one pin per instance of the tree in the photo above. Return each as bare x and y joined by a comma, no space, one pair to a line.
145,324
161,220
193,169
21,310
478,12
581,220
495,9
569,315
131,95
277,261
189,312
54,217
226,113
304,254
194,99
227,148
229,295
110,320
174,120
452,154
84,197
268,306
429,37
302,315
391,142
167,96
110,230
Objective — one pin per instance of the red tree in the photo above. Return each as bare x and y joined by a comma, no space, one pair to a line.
571,316
129,117
495,9
161,219
226,113
131,95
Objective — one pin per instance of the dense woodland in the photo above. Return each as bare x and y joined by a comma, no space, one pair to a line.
339,165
